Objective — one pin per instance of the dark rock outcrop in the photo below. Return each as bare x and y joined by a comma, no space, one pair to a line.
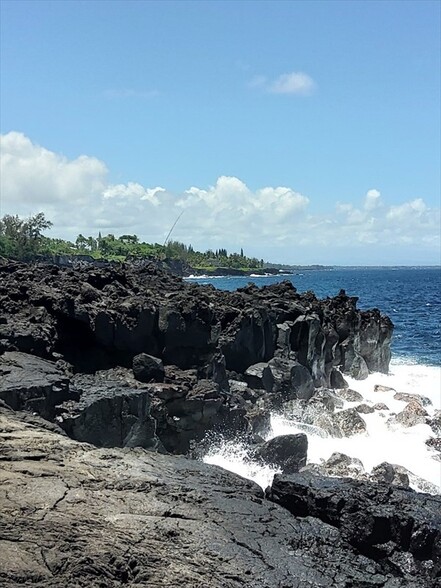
287,452
109,413
395,527
99,317
180,339
124,359
33,384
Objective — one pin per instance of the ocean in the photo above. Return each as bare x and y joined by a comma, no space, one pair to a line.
412,299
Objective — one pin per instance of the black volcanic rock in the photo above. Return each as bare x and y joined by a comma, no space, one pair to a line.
126,516
109,413
287,452
109,513
99,317
395,527
147,368
34,384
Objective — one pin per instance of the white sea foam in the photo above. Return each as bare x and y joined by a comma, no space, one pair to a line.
382,442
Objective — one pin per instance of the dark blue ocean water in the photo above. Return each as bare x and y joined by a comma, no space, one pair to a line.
410,296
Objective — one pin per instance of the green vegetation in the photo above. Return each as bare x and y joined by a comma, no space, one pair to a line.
23,240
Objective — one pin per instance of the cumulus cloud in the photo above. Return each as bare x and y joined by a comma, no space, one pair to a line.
32,176
408,211
77,196
133,190
372,199
296,82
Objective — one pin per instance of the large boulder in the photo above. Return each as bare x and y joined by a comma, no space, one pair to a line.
260,375
413,414
339,465
390,474
350,422
287,452
147,368
291,380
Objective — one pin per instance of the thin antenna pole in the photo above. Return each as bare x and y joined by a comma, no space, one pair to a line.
171,230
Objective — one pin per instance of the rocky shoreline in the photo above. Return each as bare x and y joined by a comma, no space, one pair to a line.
109,376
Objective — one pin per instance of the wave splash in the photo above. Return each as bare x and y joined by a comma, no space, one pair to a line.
383,441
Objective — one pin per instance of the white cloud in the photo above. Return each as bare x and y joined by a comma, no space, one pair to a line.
133,190
32,176
407,211
77,196
372,199
296,82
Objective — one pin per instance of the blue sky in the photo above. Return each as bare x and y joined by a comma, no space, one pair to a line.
304,132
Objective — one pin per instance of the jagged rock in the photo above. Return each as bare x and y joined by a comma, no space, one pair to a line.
283,341
291,379
387,524
147,368
184,416
108,414
434,443
318,412
380,406
350,422
259,422
260,376
30,383
340,465
327,399
434,422
287,452
381,388
337,380
359,369
99,317
349,395
405,397
390,474
413,414
216,371
365,409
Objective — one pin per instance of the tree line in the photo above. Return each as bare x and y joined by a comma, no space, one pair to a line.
23,239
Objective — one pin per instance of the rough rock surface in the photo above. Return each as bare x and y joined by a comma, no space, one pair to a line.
110,413
123,356
287,452
147,368
75,515
102,317
413,414
395,527
350,422
390,474
33,384
184,341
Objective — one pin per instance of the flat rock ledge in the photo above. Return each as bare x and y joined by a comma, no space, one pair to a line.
77,515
